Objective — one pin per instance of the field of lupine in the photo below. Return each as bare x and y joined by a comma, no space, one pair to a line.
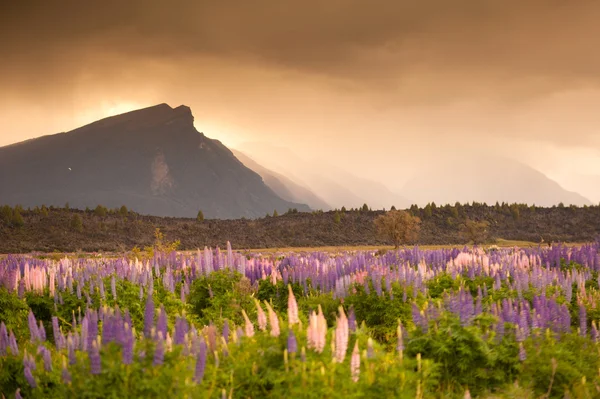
471,322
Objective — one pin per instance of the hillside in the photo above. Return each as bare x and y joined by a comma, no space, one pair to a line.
489,178
337,186
115,232
283,186
152,160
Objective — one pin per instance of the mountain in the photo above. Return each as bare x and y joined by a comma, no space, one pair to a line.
152,160
336,186
469,177
283,186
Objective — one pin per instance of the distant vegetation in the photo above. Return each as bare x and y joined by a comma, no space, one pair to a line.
101,229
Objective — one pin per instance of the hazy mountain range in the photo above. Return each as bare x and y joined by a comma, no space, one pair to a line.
154,161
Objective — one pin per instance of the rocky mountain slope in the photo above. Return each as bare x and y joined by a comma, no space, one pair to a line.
152,160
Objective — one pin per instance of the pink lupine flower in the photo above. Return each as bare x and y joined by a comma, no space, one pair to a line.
292,307
249,327
355,363
317,330
273,320
341,337
262,317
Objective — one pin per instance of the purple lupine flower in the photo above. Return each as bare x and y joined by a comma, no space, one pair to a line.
41,331
351,319
71,348
65,375
522,353
58,337
92,327
226,331
239,332
12,344
149,316
127,351
33,329
3,339
159,351
47,359
113,287
95,360
29,377
161,324
181,328
200,362
582,320
292,344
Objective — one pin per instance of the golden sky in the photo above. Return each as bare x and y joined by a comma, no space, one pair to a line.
376,87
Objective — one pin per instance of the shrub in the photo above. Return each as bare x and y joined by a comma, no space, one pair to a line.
76,223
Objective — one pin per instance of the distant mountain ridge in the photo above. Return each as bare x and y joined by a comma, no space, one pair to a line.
152,160
487,179
282,185
338,187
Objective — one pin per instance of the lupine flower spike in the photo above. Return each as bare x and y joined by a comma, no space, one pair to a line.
355,363
292,307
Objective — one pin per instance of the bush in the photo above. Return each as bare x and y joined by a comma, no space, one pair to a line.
76,223
221,295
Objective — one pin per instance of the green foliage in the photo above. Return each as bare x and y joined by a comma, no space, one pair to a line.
6,215
76,223
100,211
399,227
475,231
275,213
123,211
17,219
13,312
221,295
277,294
163,246
200,216
380,314
563,362
337,218
365,208
465,357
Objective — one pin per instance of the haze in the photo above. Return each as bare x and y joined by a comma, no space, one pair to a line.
381,89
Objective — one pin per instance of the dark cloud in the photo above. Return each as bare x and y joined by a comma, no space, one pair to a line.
489,75
547,43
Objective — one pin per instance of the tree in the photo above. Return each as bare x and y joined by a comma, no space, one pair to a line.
427,211
337,218
399,227
123,211
393,208
17,219
100,211
275,214
365,208
475,231
6,214
200,216
76,223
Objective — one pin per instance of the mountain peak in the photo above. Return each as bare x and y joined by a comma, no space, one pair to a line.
156,115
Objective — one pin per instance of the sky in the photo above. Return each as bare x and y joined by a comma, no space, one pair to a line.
377,88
